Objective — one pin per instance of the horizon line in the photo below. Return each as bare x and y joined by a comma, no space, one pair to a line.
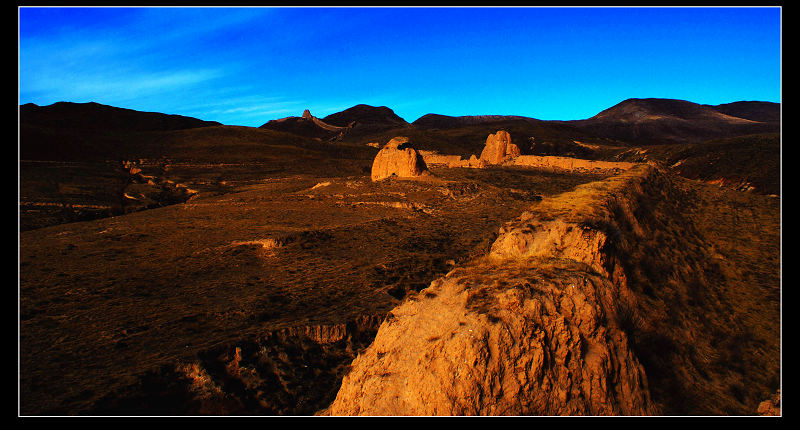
383,106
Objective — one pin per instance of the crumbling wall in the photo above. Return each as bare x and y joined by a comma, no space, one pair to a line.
569,163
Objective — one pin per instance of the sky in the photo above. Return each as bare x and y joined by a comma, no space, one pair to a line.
248,65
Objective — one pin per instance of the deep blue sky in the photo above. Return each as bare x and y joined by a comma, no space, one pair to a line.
245,66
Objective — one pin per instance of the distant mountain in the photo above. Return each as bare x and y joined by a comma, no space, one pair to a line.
306,125
364,115
436,121
67,130
95,116
653,121
91,132
358,120
756,111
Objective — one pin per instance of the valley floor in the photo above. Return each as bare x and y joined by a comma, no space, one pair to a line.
110,307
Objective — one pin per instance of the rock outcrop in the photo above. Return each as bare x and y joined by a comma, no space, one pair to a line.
772,406
499,148
398,158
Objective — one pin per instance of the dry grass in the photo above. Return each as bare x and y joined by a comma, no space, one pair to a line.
106,301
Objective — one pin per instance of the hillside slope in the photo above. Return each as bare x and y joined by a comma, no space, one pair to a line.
433,120
658,121
366,115
306,125
68,115
752,110
86,161
744,163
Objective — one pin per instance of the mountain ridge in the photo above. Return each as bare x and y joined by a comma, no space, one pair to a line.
633,119
92,115
380,116
432,120
655,120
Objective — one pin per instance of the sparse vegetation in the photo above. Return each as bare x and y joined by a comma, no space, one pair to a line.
183,267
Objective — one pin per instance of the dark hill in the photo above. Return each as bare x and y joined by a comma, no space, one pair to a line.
755,111
95,116
551,138
306,126
432,120
751,162
353,123
297,125
90,132
67,131
364,115
654,121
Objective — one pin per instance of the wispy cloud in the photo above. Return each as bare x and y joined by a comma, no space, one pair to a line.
237,105
126,61
107,84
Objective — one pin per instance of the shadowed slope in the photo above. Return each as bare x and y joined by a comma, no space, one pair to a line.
752,110
433,120
307,126
649,121
95,116
365,115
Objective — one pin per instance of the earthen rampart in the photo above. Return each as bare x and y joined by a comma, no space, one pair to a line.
569,163
434,158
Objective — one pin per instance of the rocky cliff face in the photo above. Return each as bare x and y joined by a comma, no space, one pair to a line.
606,300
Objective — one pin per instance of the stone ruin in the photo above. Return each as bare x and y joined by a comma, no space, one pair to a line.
499,148
398,158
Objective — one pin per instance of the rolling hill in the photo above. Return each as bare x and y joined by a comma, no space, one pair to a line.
366,116
95,116
433,120
659,121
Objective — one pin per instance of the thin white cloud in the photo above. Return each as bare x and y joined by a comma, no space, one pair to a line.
109,86
250,110
122,62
